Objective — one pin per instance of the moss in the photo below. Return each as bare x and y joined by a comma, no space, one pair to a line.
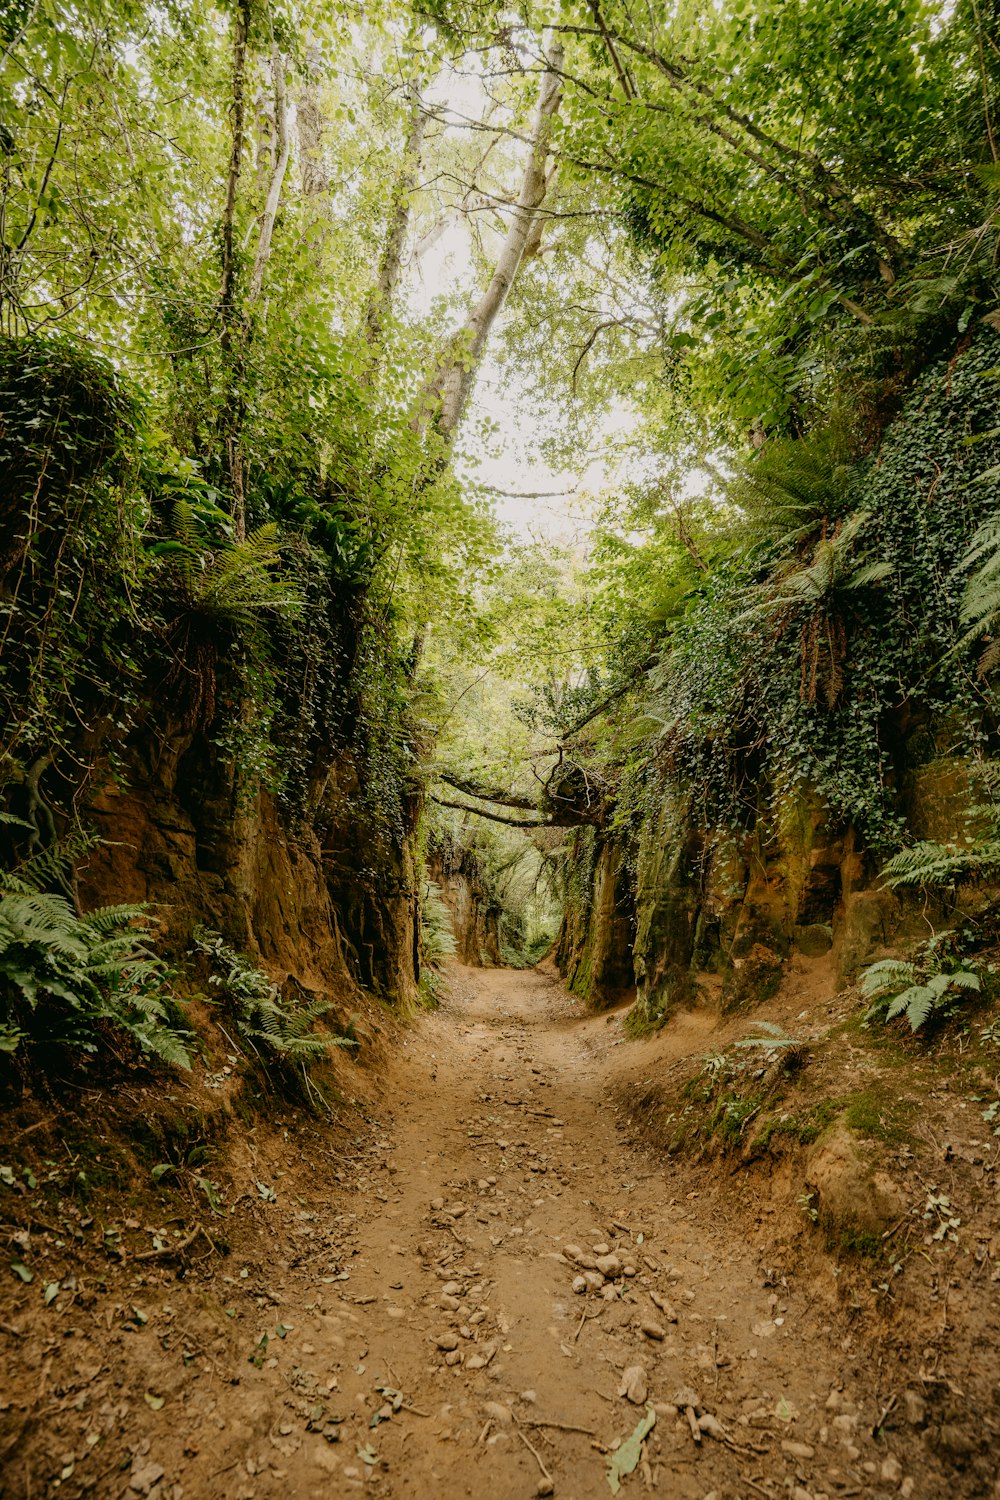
858,1242
801,1129
879,1116
732,1113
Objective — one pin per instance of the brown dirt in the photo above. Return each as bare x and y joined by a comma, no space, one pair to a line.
491,1142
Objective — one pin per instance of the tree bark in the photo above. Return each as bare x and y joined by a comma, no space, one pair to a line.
391,262
447,390
283,145
231,338
310,124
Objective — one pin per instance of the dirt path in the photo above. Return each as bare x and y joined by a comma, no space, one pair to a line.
442,1278
503,1150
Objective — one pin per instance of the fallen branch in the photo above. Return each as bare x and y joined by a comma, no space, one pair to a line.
560,1426
535,1454
178,1248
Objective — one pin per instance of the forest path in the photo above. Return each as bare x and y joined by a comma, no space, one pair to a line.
503,1150
413,1272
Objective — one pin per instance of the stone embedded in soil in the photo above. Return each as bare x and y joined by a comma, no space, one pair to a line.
797,1450
915,1407
711,1425
143,1479
593,1280
609,1265
453,1357
891,1470
500,1414
664,1306
579,1284
652,1330
545,1487
634,1386
447,1342
579,1257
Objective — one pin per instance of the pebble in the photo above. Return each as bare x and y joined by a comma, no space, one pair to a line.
447,1342
579,1284
915,1407
891,1470
453,1357
580,1257
609,1265
634,1386
953,1439
437,1203
664,1306
711,1425
593,1280
545,1487
143,1478
797,1450
628,1270
501,1415
651,1330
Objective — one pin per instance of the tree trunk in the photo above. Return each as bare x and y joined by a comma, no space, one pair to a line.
310,124
283,145
446,392
391,262
231,338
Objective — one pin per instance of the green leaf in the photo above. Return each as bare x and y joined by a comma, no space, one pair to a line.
624,1460
51,1292
22,1271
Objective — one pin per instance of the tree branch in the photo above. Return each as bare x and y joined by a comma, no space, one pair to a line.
488,794
494,817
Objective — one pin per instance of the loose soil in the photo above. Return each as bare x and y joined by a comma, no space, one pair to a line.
397,1314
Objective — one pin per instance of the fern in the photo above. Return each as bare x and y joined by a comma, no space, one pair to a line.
69,980
231,581
437,940
980,611
920,990
259,1012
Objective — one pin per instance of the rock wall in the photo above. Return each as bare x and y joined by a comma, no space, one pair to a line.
708,901
594,949
329,916
475,915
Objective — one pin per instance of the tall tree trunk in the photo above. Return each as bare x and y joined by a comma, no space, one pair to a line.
446,392
391,262
231,338
310,124
283,148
